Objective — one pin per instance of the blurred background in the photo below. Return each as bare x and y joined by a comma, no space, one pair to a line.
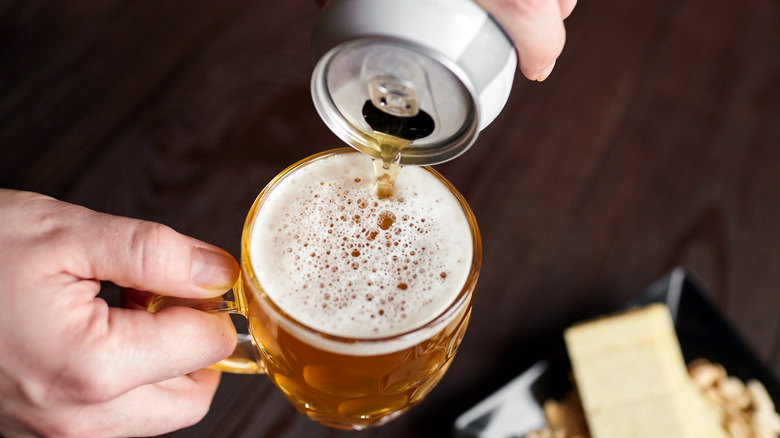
655,143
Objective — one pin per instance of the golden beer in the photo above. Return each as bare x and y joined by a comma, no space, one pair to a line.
358,304
353,391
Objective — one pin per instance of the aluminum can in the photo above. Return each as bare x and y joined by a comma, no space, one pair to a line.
435,72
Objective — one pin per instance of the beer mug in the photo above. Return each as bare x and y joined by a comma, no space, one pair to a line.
355,305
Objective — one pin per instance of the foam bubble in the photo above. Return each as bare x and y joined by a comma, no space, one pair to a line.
335,257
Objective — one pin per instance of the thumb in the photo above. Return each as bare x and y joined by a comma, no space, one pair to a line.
149,256
536,29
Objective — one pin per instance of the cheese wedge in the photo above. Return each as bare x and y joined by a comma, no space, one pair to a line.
632,378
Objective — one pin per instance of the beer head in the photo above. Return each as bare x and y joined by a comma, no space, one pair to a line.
340,261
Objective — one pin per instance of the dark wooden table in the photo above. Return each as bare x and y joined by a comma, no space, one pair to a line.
654,144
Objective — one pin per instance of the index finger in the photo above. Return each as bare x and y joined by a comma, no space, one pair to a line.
138,254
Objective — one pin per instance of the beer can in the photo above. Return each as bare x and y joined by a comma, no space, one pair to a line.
435,72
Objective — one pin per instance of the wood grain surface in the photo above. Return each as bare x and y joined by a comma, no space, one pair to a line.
655,143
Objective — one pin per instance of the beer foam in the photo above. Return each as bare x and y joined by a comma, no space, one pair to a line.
335,257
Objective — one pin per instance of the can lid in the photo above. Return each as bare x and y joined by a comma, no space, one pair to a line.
410,68
435,110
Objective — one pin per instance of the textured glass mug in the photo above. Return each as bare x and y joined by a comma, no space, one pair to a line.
330,385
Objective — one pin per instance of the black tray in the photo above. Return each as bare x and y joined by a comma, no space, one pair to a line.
516,409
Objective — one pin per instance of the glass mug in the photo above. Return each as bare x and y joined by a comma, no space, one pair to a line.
332,372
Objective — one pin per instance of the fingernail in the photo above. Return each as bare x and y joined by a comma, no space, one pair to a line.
212,269
545,73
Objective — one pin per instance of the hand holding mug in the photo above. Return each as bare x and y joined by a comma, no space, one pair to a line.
72,366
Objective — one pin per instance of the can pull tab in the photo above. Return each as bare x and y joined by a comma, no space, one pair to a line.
397,87
393,109
394,96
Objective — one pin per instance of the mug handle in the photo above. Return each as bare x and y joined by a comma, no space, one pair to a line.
245,358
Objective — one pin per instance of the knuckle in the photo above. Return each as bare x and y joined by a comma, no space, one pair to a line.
90,386
147,238
88,391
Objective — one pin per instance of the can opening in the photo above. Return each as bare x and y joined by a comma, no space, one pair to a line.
408,128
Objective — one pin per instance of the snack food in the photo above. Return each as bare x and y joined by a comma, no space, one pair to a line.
633,382
745,409
632,378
